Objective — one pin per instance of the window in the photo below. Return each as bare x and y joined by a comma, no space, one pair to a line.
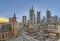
2,35
6,35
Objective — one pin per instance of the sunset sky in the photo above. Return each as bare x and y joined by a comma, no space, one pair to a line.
3,20
21,7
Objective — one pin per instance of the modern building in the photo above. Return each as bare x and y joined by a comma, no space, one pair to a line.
28,22
54,28
53,19
31,15
38,17
59,20
43,21
24,20
56,19
48,16
34,19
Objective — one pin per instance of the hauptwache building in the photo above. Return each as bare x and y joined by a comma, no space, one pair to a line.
9,30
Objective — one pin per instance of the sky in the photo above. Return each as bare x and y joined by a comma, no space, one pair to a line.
21,7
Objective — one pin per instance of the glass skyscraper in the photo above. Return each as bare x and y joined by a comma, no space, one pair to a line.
48,16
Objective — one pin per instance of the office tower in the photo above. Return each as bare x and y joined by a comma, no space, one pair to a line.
59,20
44,19
34,19
31,15
48,16
38,17
54,28
56,19
28,21
24,19
52,19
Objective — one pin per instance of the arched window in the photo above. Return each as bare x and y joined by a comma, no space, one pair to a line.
6,35
2,35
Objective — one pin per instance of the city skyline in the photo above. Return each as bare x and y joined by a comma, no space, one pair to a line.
21,7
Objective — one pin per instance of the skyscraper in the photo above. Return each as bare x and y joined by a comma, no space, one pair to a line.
59,20
53,19
24,19
31,15
38,17
56,19
34,19
48,16
44,19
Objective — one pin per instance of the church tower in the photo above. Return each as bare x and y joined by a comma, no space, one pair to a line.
14,24
14,18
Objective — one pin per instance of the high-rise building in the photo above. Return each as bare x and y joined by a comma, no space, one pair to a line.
28,21
52,19
24,20
48,16
44,19
53,28
34,18
56,19
38,17
31,15
59,20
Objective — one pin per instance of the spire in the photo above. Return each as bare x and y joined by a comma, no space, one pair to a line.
32,6
14,16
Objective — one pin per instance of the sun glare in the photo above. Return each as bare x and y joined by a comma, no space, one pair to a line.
3,20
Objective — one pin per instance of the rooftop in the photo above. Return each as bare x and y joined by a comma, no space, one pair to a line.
5,28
